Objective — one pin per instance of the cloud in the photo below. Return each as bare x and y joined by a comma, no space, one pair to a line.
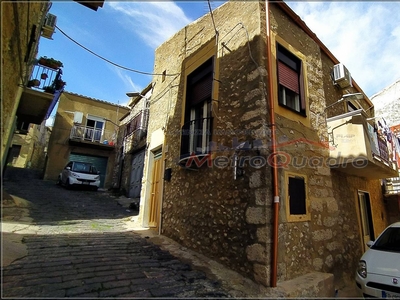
365,36
153,22
129,84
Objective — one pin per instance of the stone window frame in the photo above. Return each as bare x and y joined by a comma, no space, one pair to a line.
297,217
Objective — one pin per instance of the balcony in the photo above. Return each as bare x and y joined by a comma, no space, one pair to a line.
41,94
135,132
358,149
391,186
92,137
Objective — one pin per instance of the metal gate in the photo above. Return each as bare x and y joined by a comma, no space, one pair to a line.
135,185
99,162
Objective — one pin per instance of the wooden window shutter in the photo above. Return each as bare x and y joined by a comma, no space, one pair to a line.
288,77
201,90
302,94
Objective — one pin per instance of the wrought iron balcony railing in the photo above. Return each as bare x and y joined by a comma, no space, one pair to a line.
391,186
47,79
93,135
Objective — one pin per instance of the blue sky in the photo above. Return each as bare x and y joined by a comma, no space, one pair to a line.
365,36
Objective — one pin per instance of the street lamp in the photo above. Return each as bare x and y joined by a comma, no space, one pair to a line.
137,94
347,97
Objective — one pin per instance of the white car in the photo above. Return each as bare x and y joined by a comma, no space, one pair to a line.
81,174
378,272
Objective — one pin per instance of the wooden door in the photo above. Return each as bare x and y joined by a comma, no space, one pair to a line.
135,185
155,197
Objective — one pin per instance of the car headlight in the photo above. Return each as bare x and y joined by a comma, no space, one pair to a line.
97,178
362,269
74,174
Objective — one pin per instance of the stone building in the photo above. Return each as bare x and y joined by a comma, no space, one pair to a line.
259,148
25,96
129,163
29,147
85,129
20,35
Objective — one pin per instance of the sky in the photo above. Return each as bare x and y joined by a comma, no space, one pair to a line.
363,35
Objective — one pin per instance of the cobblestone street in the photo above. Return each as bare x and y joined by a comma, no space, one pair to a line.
78,245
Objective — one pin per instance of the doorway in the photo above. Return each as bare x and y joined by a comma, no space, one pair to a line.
155,190
367,227
135,185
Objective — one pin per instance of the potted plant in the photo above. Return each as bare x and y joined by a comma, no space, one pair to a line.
49,89
59,84
33,83
50,62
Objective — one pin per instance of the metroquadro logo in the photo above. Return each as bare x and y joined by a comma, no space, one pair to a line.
279,159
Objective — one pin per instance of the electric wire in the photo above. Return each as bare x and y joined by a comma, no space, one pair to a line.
113,63
212,17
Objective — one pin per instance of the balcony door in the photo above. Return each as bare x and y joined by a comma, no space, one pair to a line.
94,128
367,227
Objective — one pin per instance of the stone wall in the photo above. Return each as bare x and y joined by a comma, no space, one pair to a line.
330,240
230,219
17,20
208,210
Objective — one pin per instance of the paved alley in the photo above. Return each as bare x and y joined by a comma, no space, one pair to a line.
78,245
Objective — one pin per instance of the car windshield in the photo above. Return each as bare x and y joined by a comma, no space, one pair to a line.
84,168
389,240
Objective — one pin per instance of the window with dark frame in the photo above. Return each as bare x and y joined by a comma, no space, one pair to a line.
290,81
297,195
351,107
196,131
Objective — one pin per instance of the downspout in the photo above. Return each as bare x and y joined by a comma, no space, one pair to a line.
275,212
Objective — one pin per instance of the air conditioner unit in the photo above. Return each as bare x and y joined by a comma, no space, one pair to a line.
341,76
49,26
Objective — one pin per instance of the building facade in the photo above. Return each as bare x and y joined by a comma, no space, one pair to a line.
131,146
387,111
255,156
30,87
21,32
29,147
85,129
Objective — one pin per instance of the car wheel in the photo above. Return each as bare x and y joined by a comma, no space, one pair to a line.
95,188
67,185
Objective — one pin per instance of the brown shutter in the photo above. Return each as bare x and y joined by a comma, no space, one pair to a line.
288,77
201,90
302,91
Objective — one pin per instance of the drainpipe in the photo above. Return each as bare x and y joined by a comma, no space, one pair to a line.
274,256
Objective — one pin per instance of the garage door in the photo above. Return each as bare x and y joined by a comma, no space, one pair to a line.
99,162
135,185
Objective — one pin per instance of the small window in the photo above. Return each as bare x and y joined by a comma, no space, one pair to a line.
164,74
290,81
297,198
351,107
22,127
